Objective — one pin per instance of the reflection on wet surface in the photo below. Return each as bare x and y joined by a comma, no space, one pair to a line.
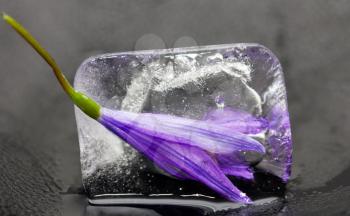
78,205
332,199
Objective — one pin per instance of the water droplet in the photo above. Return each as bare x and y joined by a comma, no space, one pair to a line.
220,102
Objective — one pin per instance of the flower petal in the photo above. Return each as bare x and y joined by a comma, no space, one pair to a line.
240,171
208,136
233,165
192,161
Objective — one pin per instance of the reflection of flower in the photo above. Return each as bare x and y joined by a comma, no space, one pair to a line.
187,148
237,120
278,159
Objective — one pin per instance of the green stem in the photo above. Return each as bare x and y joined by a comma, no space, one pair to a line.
86,104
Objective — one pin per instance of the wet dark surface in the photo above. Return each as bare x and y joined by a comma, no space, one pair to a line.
39,153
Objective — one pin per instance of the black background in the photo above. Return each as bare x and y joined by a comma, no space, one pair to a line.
39,152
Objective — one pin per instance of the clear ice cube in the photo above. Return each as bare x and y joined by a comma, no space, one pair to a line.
186,82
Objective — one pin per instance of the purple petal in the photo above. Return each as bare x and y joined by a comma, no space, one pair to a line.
229,166
237,120
211,137
189,160
233,165
240,171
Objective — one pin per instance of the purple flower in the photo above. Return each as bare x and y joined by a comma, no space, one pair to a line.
211,137
187,148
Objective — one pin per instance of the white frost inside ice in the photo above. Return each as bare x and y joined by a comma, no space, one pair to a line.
100,147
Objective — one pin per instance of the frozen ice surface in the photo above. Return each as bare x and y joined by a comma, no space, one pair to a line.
186,82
